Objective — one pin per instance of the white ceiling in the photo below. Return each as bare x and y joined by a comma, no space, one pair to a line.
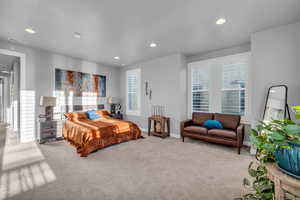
126,27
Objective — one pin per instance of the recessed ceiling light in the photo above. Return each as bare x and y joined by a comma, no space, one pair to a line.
123,64
221,21
117,58
153,45
29,30
77,35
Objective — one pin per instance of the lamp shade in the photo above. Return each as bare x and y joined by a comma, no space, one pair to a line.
47,101
113,100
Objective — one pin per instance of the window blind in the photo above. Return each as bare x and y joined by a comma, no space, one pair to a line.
200,92
234,88
133,91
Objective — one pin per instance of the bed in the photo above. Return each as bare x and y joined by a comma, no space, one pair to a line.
90,135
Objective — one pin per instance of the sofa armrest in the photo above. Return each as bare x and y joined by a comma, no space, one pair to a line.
185,124
240,134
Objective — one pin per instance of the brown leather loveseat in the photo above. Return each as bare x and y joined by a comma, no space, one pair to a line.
232,133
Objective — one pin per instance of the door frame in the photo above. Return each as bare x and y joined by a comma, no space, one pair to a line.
2,99
22,82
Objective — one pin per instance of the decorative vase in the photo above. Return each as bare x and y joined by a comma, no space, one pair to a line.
289,159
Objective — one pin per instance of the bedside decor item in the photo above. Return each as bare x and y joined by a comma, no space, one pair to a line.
117,116
48,103
115,106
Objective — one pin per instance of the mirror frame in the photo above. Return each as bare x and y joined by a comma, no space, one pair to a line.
286,105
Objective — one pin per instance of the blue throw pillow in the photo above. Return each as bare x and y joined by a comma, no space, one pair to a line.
210,124
92,115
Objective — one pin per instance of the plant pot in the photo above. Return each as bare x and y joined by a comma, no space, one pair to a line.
289,159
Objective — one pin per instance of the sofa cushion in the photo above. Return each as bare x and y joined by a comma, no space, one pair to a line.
228,121
196,129
223,133
200,118
210,124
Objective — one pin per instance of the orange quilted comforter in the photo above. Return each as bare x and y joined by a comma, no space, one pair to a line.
90,135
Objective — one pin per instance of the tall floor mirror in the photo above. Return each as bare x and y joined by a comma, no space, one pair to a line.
276,107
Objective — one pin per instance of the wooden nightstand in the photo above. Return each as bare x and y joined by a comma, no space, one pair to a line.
164,123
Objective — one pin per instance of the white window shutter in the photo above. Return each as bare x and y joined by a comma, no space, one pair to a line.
234,88
133,92
200,89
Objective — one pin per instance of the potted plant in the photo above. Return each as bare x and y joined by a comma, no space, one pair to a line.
276,141
289,158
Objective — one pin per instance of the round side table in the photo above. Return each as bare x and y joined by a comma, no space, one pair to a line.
286,187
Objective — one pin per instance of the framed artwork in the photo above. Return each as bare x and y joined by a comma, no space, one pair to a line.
79,83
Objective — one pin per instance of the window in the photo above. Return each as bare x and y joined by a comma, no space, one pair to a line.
133,90
234,88
200,95
220,85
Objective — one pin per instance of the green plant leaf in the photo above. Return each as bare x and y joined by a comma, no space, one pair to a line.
275,135
252,172
254,132
255,141
296,108
270,148
293,129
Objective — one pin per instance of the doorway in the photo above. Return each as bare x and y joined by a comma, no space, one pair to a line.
1,100
9,90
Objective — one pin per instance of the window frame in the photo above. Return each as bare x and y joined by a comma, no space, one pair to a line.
199,90
216,87
136,72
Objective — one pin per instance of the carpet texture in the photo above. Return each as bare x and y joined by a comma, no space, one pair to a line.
150,168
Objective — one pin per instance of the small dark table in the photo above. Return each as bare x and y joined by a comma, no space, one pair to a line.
117,116
164,122
47,131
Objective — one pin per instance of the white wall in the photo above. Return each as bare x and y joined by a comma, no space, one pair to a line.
167,79
39,72
275,60
220,53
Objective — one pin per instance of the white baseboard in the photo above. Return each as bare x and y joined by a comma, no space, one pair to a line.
247,143
174,135
144,129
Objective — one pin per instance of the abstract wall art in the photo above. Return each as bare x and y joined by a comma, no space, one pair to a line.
79,83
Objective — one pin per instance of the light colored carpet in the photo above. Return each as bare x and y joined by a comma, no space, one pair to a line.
150,168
